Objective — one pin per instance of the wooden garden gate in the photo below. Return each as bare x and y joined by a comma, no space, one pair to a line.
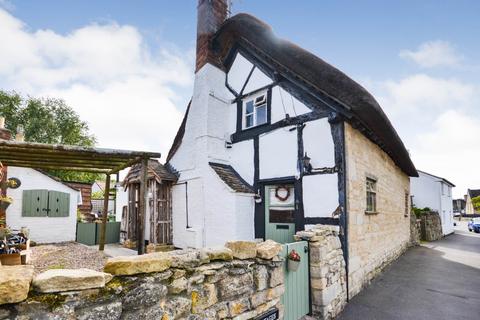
296,299
160,213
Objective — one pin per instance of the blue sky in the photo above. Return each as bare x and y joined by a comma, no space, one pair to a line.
420,59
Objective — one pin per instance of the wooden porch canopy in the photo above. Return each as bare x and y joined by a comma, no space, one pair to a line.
84,159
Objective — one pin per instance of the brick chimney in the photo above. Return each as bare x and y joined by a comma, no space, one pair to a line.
210,15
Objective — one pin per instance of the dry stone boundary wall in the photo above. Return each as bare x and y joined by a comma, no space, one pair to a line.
241,281
327,271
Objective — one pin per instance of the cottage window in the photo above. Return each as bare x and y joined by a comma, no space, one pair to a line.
255,111
371,195
407,207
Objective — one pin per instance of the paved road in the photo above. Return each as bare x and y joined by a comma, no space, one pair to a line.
440,280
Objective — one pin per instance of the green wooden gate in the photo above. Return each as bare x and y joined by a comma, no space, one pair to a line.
296,299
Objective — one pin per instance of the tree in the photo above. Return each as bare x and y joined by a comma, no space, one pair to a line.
47,121
476,203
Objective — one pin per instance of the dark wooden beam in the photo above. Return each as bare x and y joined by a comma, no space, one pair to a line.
54,167
126,165
321,220
142,208
255,131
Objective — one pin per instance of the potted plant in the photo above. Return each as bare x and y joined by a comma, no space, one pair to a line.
293,261
5,201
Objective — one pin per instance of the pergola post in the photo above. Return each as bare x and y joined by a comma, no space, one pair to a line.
142,212
103,229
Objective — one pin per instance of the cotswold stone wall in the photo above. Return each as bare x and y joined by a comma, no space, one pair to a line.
431,226
327,271
415,230
239,282
377,239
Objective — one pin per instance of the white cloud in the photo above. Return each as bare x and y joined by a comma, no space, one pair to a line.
437,119
450,149
107,73
433,54
423,92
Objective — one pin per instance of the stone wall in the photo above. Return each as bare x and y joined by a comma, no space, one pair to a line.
431,226
376,239
415,230
239,282
327,271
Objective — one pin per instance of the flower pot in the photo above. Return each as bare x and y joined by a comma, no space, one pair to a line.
293,265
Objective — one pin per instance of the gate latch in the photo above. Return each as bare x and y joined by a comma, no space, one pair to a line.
305,249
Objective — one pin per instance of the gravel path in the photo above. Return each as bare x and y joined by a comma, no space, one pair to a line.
69,255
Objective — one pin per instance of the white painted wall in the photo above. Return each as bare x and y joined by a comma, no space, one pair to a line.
432,192
210,203
284,103
320,195
42,229
241,158
278,153
318,143
215,212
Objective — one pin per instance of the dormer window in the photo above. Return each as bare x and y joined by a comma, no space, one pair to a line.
255,111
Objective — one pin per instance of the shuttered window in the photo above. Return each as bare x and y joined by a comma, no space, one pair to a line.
35,203
43,203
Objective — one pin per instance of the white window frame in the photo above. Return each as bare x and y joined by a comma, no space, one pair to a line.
371,190
256,106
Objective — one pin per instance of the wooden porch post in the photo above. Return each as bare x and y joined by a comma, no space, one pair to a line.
142,212
103,229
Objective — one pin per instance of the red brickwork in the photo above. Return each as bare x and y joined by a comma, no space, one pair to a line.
210,15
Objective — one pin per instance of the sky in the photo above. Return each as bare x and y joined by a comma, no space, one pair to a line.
127,66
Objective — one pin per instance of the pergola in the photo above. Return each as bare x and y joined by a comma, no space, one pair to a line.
84,159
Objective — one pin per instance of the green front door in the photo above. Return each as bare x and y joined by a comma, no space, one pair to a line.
279,213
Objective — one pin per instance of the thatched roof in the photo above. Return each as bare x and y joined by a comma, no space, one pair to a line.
317,77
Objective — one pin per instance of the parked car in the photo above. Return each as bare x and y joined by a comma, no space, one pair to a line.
474,225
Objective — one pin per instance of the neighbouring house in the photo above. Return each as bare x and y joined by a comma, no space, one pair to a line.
85,188
98,192
459,206
471,193
158,220
435,193
275,140
43,204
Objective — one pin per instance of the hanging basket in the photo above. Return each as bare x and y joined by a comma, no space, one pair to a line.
293,265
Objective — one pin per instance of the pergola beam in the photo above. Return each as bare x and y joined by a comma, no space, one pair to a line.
84,159
54,167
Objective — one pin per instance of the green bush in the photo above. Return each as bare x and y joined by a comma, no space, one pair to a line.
419,212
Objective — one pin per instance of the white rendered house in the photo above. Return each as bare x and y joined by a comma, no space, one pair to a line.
43,204
435,193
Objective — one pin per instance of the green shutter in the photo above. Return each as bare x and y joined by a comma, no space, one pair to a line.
34,203
59,204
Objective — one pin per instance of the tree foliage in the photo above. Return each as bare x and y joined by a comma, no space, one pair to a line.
47,120
476,203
